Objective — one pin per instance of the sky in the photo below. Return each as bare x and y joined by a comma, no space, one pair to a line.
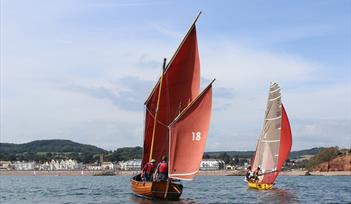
81,70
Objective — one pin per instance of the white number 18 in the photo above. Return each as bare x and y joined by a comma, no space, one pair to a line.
196,136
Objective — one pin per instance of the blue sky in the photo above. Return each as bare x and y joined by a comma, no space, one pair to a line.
81,70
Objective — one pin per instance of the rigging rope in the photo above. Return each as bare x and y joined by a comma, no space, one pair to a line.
161,123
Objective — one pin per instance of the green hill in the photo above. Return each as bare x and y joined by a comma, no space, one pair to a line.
249,154
44,150
58,146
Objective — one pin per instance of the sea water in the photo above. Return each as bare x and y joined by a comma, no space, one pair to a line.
209,189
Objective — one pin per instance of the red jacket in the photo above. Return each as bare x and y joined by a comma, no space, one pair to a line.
162,167
149,168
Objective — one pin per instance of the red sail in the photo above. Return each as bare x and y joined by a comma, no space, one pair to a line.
188,135
284,148
285,140
180,85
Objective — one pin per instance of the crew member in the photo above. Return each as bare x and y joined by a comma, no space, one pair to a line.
249,173
148,170
162,169
257,173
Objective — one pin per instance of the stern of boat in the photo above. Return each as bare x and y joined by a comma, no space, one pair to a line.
173,193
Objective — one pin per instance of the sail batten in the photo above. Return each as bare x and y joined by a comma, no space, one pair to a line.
274,143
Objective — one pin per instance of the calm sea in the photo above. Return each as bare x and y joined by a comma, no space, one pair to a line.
221,189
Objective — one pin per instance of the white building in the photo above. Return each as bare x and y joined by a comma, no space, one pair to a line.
212,164
59,165
5,165
130,165
24,166
93,167
107,166
68,164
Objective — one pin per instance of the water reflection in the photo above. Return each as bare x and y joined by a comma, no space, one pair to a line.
141,200
276,195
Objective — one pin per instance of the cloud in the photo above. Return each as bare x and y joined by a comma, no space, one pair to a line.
83,72
321,133
146,62
127,93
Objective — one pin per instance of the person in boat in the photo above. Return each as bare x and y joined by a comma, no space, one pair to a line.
249,173
162,170
257,173
148,170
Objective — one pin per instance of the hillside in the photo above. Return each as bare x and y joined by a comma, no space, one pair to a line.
45,150
243,154
249,154
58,146
340,163
312,151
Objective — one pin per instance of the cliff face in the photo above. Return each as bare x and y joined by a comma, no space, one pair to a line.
342,163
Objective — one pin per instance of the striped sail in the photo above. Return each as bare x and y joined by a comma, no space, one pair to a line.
268,149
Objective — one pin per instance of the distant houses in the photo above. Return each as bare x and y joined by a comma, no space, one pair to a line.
46,166
5,165
68,165
107,166
23,165
212,164
130,165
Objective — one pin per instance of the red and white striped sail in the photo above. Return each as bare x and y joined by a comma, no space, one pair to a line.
188,135
275,141
180,86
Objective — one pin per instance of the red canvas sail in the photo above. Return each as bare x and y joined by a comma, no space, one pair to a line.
180,85
285,140
188,135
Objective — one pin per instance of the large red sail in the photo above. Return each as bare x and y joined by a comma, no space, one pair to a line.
188,135
285,140
180,85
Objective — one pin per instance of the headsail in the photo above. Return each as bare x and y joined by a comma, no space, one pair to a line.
180,86
285,140
188,135
275,141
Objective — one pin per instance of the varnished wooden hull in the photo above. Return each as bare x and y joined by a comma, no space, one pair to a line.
156,189
259,186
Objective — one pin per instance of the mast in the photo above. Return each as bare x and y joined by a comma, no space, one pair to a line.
157,107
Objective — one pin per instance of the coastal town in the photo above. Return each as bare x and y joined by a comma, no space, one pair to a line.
64,165
222,165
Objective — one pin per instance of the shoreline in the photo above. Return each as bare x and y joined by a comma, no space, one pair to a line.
131,173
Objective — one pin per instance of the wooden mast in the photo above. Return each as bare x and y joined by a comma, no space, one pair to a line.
157,107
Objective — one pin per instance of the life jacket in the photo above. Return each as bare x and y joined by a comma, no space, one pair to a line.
150,168
163,168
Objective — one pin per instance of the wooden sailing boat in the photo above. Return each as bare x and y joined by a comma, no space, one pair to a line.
274,144
177,120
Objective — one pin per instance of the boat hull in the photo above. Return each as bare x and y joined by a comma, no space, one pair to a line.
156,190
259,186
